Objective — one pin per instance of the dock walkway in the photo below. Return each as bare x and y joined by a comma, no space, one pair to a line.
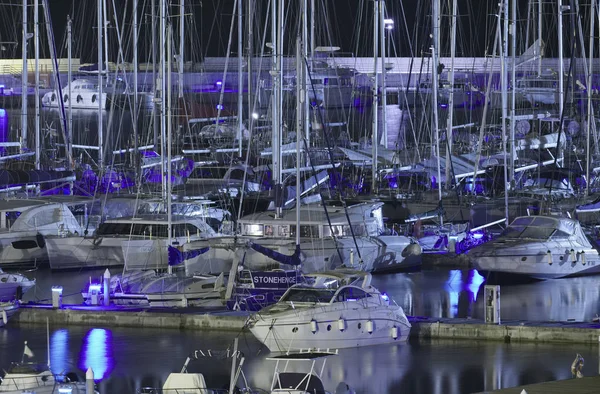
587,385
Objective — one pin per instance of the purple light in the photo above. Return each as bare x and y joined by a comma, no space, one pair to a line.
97,353
219,106
385,297
59,354
219,83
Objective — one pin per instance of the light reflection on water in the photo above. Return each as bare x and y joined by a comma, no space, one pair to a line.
133,358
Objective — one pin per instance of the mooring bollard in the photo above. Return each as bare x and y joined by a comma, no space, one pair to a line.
89,381
106,287
57,297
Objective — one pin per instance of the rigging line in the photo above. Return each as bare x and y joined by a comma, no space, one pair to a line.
566,97
330,153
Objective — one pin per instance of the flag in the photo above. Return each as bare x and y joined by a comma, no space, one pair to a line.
27,351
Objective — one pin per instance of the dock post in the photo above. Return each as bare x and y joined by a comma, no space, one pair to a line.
89,381
106,283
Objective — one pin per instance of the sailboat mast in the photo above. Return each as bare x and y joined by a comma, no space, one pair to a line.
383,71
169,142
539,27
240,103
513,101
590,117
181,46
135,84
100,89
306,114
434,73
375,106
70,78
300,96
162,89
504,85
449,119
36,33
24,77
276,34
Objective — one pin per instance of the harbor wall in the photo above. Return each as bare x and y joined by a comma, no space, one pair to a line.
422,328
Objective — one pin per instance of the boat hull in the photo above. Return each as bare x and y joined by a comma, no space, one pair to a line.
81,252
542,265
7,310
336,327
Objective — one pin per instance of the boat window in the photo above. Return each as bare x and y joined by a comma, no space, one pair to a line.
351,294
307,295
533,232
137,229
306,231
252,229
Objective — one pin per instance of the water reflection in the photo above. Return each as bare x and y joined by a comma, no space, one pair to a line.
59,351
97,353
456,293
126,359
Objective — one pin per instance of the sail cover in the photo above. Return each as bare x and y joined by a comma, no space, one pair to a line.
281,258
177,257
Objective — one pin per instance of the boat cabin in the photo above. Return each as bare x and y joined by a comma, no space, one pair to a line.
545,228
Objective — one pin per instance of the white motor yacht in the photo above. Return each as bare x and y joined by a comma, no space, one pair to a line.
540,247
38,378
321,316
7,309
84,95
288,380
22,240
141,241
14,285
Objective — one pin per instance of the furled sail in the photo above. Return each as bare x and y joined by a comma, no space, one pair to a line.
177,257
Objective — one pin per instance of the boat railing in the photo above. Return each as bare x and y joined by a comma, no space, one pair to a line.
27,382
197,390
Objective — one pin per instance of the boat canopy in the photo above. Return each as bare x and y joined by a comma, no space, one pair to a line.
544,227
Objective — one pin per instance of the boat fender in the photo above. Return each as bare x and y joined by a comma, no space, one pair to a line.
573,257
370,327
40,240
549,254
582,254
4,317
395,332
313,326
341,324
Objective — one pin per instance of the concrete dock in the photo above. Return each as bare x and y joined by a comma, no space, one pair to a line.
580,386
220,319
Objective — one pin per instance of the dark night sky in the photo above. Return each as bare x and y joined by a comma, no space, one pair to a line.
348,24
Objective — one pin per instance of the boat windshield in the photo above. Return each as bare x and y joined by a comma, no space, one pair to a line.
529,232
307,295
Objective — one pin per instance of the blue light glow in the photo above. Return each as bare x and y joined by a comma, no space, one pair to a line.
94,287
385,297
2,113
59,351
475,282
97,353
219,106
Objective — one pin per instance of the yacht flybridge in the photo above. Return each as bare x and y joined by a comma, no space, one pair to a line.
340,309
540,247
84,95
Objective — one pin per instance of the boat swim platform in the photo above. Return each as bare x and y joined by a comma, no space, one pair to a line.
586,385
192,318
